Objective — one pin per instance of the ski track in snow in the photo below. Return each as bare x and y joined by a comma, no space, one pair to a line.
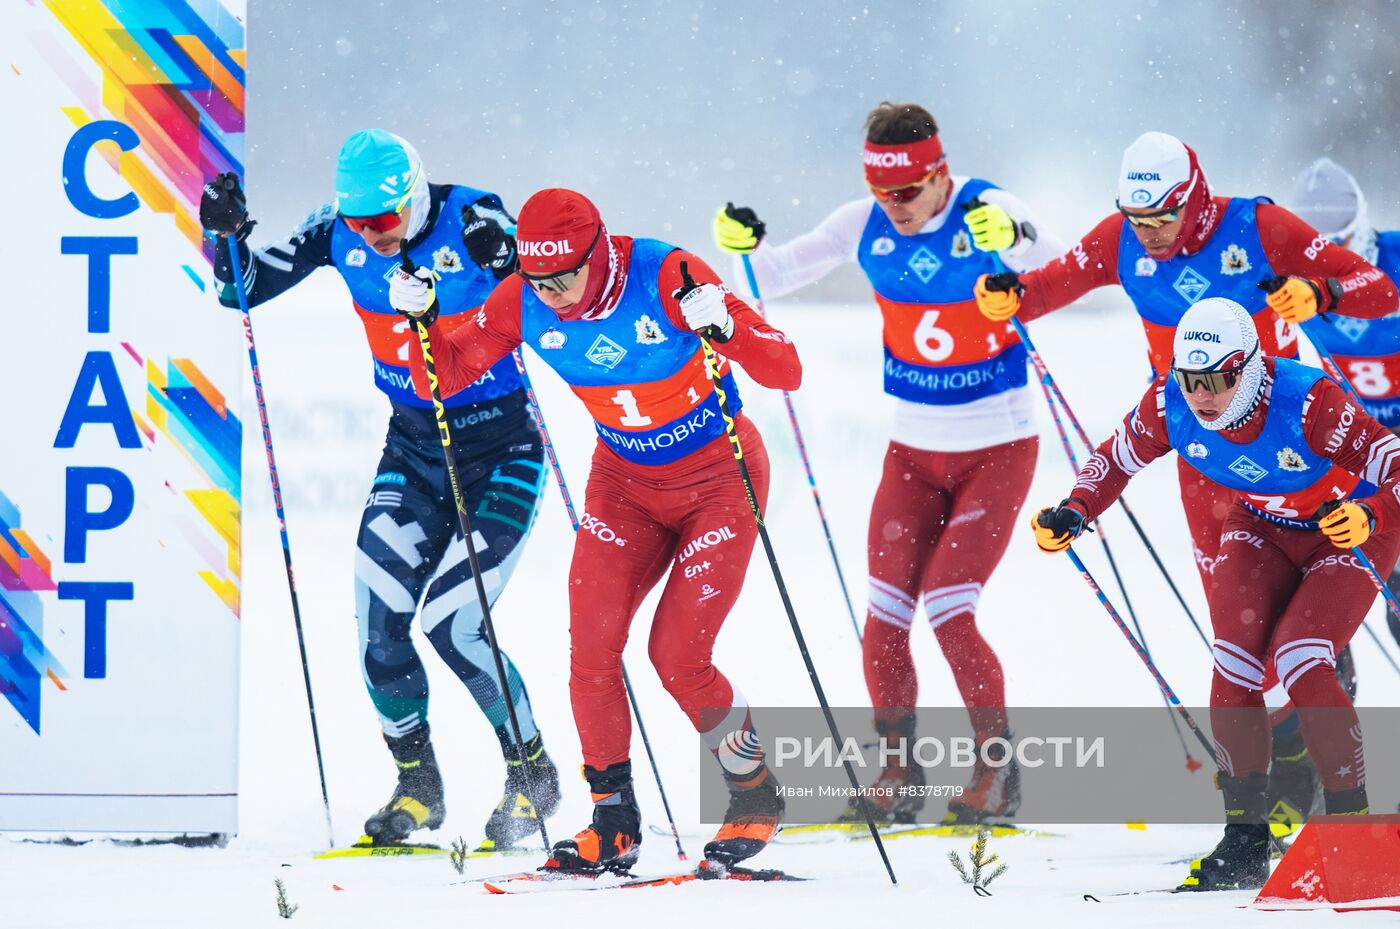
1056,644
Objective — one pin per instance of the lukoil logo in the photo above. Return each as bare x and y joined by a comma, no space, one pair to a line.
546,249
887,159
713,537
1198,335
1144,176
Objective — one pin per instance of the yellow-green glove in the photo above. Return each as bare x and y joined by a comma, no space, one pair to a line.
992,228
738,229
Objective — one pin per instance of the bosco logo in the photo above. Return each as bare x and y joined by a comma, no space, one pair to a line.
600,530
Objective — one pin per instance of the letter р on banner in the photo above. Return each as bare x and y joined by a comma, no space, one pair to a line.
120,514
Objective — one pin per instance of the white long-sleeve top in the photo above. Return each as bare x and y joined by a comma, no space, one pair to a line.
983,423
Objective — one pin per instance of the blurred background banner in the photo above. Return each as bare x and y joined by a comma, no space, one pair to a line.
662,112
121,376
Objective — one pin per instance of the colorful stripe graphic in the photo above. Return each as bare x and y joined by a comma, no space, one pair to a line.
172,70
25,661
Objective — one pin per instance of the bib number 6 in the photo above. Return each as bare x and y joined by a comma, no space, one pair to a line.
933,343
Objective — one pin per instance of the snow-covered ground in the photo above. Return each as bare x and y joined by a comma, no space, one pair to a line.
1057,646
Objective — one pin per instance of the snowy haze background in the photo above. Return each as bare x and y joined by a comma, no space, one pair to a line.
662,112
661,115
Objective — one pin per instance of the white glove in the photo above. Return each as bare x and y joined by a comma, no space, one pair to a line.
412,294
704,307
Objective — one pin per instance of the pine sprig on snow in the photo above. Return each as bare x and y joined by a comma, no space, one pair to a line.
979,861
458,855
284,909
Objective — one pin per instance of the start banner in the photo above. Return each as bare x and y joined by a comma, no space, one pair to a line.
120,380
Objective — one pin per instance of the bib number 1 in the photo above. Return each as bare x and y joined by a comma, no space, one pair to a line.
631,415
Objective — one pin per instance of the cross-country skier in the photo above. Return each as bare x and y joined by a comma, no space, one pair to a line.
963,445
1171,242
409,538
1328,198
617,318
1309,473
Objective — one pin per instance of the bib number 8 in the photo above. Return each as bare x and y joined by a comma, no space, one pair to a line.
1368,377
933,343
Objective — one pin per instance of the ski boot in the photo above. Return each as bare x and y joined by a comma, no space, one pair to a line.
612,842
1294,789
1241,860
891,798
417,801
994,795
754,816
533,778
1346,802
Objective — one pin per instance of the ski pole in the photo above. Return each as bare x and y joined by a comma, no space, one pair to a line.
1335,370
807,466
1052,389
1143,655
1386,593
1048,384
1157,675
563,486
241,288
465,524
1191,763
732,432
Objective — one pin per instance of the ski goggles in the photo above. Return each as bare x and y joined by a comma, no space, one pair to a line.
1154,220
907,193
1215,382
382,223
561,282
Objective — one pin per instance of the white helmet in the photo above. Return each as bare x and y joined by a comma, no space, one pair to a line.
1216,343
1327,197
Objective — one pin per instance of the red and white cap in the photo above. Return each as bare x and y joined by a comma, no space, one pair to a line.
1158,171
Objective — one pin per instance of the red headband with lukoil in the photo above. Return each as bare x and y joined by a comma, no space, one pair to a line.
889,167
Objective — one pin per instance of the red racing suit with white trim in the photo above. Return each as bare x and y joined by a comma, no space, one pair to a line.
1281,592
1251,238
664,493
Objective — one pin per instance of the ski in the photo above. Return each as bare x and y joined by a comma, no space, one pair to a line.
1094,898
544,881
368,848
856,832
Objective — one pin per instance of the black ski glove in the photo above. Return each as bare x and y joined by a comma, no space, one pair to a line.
488,245
223,208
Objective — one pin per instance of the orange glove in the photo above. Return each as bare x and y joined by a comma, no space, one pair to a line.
1055,527
1298,299
1346,524
998,295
